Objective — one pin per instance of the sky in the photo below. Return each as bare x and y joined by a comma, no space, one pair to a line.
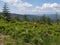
32,6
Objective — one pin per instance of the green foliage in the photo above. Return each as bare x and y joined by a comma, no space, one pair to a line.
32,33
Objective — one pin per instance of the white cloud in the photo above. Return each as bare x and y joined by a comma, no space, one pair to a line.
47,8
26,8
20,6
10,1
17,3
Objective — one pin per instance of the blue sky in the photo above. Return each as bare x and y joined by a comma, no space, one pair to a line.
32,6
40,2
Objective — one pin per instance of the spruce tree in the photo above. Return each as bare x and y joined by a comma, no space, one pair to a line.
25,18
44,19
57,19
6,12
49,21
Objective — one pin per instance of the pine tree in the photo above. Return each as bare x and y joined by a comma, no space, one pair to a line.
49,21
6,12
57,19
44,19
25,18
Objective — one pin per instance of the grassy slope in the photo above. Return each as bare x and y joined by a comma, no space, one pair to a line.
30,33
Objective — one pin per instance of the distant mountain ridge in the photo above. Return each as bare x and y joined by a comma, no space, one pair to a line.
52,16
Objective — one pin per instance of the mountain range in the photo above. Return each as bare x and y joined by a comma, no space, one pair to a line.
31,16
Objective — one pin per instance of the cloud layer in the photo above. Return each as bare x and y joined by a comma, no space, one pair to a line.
47,8
27,8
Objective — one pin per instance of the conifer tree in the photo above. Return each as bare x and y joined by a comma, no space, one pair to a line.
49,21
44,19
25,18
6,12
57,19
